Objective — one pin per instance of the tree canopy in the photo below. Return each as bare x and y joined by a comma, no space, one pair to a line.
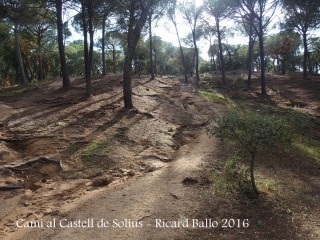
35,33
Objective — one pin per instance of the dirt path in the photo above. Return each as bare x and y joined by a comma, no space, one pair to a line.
157,156
158,195
168,118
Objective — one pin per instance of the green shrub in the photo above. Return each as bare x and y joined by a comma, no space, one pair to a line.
235,177
236,86
252,130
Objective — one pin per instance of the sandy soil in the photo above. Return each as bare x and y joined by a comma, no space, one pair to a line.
158,195
140,171
43,152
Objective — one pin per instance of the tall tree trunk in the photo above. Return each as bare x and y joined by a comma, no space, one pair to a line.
6,72
127,91
87,67
134,31
132,41
283,66
309,61
211,57
127,70
91,34
305,55
155,62
40,59
41,74
103,39
151,47
182,54
250,56
29,71
114,69
65,75
222,65
19,55
196,52
262,60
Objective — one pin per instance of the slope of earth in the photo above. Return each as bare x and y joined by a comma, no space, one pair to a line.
141,171
57,146
288,177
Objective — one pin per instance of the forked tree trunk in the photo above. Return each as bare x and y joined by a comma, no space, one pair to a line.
135,26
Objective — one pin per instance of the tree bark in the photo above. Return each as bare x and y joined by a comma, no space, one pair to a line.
196,52
151,47
222,65
87,67
250,56
114,69
29,71
41,73
91,35
132,40
127,69
134,31
305,55
65,75
262,57
155,62
211,57
182,54
40,58
19,56
103,40
283,66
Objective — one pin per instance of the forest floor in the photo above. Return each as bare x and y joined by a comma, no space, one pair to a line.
79,168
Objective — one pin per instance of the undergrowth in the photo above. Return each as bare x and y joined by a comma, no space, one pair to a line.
94,149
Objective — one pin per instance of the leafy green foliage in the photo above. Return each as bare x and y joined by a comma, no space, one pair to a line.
212,95
75,59
302,16
95,149
282,47
237,174
252,130
233,178
7,57
236,86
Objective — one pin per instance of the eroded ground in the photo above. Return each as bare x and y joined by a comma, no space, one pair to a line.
64,156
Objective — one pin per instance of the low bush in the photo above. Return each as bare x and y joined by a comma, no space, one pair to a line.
252,130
